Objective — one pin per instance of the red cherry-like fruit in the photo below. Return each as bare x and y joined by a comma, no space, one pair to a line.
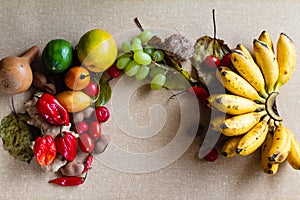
102,114
86,143
91,89
212,155
226,60
95,130
114,72
81,127
212,62
200,92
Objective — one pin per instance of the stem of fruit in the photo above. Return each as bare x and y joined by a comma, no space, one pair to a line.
13,105
138,24
215,28
174,95
159,65
214,23
82,76
271,106
31,54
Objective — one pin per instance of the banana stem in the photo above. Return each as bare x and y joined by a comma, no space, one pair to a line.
262,100
277,87
264,94
261,107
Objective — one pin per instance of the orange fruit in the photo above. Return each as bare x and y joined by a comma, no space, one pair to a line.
77,78
97,50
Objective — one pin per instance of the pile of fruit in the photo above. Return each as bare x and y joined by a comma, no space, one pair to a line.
62,126
251,120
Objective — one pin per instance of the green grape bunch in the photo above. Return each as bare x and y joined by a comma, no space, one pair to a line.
141,59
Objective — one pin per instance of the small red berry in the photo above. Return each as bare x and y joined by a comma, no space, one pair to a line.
86,143
102,114
200,92
114,72
81,127
91,89
212,62
95,130
226,60
212,155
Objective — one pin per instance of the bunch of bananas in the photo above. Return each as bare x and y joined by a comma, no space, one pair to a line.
252,120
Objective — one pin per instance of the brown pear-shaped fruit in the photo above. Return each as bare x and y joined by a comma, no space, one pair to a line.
15,72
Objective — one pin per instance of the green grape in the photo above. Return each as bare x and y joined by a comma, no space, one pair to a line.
156,70
126,47
123,62
152,65
125,55
148,49
145,36
142,73
158,55
136,45
158,82
132,68
142,58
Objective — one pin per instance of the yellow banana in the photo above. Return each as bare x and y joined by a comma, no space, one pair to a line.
286,58
281,145
237,84
268,167
267,62
245,51
252,140
240,124
232,104
266,38
216,122
294,155
249,71
229,147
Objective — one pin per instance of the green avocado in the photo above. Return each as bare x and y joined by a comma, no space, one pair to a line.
57,56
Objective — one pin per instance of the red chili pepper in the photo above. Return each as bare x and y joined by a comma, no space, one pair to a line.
88,163
68,180
66,145
51,110
44,150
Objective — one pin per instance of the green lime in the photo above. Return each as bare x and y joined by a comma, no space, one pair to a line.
57,55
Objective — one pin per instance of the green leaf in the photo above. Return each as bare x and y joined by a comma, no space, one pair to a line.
105,92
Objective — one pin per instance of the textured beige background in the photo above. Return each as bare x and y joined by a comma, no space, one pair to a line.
25,23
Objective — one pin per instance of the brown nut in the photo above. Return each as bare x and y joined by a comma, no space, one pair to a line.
101,144
72,169
75,167
40,82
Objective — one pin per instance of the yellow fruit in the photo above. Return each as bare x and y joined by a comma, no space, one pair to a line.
268,166
229,147
240,124
97,50
74,101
